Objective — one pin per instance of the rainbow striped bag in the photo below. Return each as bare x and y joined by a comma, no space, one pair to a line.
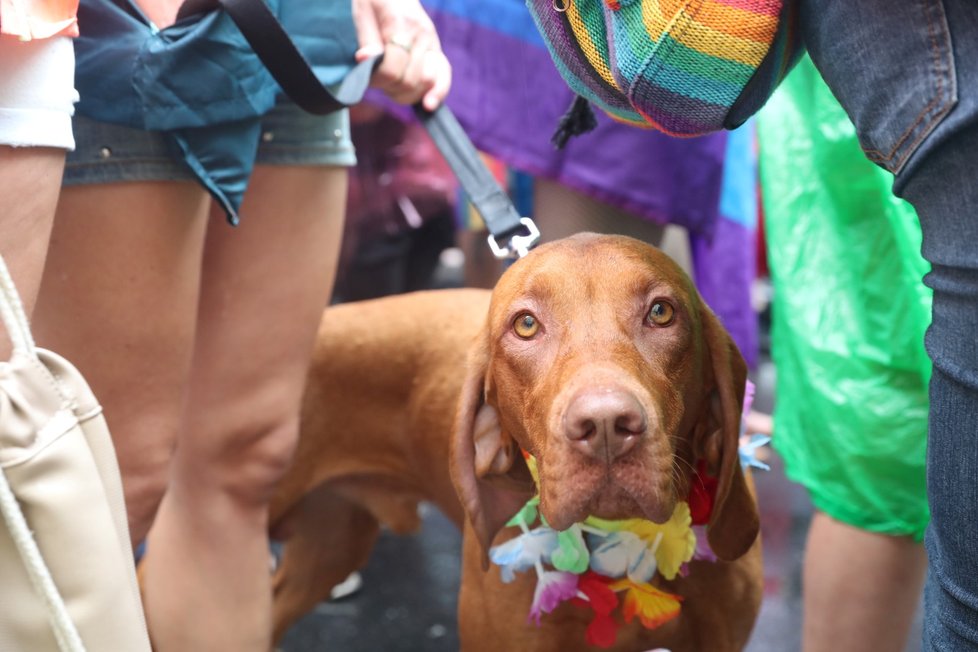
684,67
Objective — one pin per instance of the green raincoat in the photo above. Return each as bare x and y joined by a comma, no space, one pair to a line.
849,315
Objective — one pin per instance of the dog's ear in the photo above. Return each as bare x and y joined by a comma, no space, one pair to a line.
734,522
487,467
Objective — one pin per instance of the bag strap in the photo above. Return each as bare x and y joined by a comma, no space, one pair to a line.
15,319
12,312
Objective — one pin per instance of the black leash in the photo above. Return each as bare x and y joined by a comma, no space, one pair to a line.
510,236
288,66
515,233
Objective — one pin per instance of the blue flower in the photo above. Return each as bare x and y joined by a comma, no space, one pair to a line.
748,452
621,554
524,552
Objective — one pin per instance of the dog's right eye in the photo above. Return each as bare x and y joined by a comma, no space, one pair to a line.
526,325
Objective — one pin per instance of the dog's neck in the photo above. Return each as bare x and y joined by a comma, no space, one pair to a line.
592,562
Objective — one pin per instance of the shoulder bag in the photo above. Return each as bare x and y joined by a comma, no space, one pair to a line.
67,576
683,67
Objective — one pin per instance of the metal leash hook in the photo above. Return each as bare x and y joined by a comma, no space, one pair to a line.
519,245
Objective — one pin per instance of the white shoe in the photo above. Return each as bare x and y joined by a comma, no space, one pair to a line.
347,587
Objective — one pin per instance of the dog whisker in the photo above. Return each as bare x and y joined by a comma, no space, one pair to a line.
678,460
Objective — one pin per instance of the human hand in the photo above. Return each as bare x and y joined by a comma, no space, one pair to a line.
759,423
414,66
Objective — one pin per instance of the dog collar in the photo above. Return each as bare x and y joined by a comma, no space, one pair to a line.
591,563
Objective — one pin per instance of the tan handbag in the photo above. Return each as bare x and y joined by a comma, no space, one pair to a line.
67,577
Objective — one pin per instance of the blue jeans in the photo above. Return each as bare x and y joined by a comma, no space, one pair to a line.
906,72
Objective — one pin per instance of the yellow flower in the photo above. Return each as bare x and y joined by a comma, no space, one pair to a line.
673,541
652,606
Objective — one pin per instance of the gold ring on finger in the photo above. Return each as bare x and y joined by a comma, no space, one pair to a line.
402,41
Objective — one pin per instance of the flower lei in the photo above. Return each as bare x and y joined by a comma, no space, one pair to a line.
590,563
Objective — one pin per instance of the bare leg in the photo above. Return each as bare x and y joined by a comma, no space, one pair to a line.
265,284
119,299
33,176
861,588
560,212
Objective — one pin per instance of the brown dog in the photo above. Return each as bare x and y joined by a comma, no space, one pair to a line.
597,356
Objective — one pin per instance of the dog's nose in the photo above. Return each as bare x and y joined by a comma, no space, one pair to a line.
605,423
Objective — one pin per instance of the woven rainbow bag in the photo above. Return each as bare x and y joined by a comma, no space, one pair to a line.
684,67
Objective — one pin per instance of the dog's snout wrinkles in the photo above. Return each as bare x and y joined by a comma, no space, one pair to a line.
604,423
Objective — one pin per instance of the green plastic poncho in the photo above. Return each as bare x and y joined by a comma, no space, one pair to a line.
849,315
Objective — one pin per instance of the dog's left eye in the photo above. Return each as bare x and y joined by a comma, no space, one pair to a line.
526,325
661,313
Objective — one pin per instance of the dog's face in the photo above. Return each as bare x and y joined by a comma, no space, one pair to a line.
601,360
593,370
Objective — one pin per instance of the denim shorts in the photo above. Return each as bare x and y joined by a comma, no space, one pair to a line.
108,153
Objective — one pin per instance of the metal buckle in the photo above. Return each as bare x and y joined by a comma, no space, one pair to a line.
519,245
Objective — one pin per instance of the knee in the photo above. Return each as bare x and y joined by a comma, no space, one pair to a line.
252,458
144,481
950,338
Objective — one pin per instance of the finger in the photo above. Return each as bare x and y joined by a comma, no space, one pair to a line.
388,75
438,75
368,29
407,76
402,78
398,37
412,83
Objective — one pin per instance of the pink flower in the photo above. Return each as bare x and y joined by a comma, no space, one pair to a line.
553,587
748,399
703,550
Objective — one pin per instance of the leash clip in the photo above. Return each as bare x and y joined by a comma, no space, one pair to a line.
519,245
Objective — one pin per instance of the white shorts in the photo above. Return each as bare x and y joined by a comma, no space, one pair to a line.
37,92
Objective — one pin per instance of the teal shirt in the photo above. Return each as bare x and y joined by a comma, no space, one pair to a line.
198,80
